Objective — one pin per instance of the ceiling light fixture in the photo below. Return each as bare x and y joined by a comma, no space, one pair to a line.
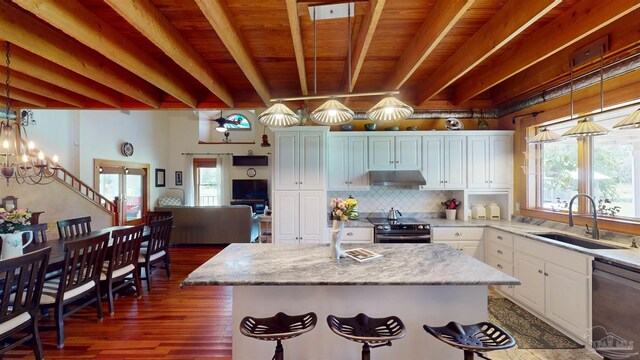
630,122
278,115
221,121
545,136
389,109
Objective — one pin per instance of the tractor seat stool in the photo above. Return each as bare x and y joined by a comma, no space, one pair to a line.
277,328
474,338
372,332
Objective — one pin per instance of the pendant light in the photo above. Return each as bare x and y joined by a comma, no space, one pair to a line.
630,122
389,109
278,115
545,136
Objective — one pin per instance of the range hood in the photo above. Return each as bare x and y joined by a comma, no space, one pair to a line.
396,178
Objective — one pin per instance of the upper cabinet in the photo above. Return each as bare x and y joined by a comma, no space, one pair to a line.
444,162
490,159
299,159
403,152
347,165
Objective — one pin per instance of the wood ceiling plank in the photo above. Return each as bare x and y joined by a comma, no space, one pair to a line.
296,35
365,36
27,97
149,21
77,21
45,70
443,16
513,18
216,13
42,88
585,18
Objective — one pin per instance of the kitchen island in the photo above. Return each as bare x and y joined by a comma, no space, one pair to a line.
420,283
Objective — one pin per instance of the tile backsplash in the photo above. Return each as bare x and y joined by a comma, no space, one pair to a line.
401,198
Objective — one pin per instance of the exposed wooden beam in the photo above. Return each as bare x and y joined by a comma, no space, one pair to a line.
442,17
149,21
362,43
80,23
31,34
28,97
513,18
217,15
39,87
296,36
27,63
585,18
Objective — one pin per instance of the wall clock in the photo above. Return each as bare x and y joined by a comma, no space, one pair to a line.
251,172
127,149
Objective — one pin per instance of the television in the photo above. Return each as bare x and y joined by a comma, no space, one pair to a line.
243,189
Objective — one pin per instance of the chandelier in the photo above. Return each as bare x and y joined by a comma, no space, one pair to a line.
19,156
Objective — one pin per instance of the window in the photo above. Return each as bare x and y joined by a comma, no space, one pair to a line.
559,171
237,122
206,182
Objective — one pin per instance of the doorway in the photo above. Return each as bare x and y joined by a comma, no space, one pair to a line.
127,185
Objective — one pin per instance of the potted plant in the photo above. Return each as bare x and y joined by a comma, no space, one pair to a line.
451,208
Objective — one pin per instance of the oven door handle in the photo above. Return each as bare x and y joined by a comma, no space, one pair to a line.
403,237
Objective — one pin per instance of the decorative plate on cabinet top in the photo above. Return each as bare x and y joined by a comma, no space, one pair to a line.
127,149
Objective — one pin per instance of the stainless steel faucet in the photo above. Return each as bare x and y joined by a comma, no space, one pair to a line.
595,233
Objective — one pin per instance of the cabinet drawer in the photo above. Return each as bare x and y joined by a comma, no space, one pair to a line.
353,234
465,233
503,238
501,252
501,265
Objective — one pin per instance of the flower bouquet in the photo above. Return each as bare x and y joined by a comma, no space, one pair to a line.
451,208
11,222
344,210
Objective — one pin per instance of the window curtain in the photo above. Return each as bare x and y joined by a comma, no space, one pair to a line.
187,181
223,166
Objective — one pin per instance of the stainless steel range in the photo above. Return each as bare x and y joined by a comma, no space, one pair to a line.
407,230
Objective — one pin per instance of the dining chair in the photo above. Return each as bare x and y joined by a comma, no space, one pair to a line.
74,227
156,215
23,280
39,232
158,249
78,284
123,261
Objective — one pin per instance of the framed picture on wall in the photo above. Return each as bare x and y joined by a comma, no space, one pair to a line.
160,178
178,178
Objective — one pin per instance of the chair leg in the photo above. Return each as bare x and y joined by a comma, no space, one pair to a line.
366,352
110,297
99,305
136,279
468,355
147,270
35,342
59,320
166,263
279,355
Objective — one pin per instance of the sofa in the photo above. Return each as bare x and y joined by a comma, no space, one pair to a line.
210,224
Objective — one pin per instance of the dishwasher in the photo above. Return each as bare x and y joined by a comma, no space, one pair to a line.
616,311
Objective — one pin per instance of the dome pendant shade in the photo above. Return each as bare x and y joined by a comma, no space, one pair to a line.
630,122
389,109
278,115
545,136
332,112
586,127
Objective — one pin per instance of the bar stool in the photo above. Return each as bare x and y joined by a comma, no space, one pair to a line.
474,338
372,332
277,328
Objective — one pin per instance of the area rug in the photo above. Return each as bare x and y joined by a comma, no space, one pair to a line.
529,331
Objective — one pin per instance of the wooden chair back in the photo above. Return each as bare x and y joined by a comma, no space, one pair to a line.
83,261
74,227
39,232
125,248
156,215
159,236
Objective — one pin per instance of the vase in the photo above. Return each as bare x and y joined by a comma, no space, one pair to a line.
336,240
450,213
12,244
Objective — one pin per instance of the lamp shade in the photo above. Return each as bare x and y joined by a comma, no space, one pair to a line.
545,136
332,112
389,109
586,127
278,115
630,122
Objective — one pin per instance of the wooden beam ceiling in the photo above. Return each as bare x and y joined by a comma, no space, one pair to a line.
296,35
21,95
514,17
218,17
39,87
586,17
363,41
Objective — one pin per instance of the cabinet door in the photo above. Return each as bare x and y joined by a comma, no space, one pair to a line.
432,161
338,163
478,162
311,161
472,248
501,162
381,153
567,298
313,222
455,165
357,165
286,162
408,151
530,271
285,218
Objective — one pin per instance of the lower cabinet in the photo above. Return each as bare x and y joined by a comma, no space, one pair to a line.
355,235
299,217
468,240
530,271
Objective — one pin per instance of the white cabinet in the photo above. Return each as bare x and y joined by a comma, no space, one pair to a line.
444,162
300,160
347,163
299,216
467,240
490,161
403,152
530,271
499,254
355,235
567,294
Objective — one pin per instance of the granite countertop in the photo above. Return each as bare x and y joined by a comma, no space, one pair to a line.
310,264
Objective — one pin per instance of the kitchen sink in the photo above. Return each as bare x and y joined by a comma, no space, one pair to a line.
568,239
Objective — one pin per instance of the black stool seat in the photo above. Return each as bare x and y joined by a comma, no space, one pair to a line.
474,338
277,328
372,332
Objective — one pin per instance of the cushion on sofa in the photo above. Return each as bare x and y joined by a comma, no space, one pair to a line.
169,201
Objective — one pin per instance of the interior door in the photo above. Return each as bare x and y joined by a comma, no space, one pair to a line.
127,185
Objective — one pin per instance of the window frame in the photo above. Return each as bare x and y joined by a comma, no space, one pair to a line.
199,163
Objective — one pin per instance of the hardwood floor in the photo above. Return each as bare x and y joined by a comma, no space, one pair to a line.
193,323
